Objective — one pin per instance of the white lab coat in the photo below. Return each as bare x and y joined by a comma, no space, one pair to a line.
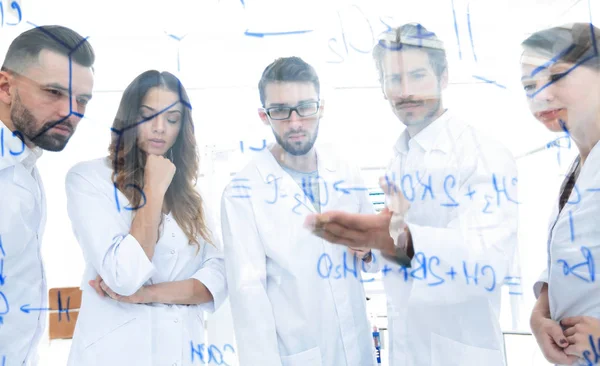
574,238
451,323
285,313
109,332
22,221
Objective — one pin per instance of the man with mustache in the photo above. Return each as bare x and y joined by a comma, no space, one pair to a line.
446,240
46,82
289,305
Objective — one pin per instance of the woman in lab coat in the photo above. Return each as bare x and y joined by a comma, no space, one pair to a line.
142,228
561,76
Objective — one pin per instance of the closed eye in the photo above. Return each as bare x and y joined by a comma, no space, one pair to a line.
54,92
529,87
556,77
83,101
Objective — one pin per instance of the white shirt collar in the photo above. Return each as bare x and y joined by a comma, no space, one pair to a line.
15,150
428,138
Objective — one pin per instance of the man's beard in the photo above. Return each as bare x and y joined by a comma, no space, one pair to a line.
25,123
294,149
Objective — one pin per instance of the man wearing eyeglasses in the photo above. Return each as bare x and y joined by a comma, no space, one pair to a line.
295,299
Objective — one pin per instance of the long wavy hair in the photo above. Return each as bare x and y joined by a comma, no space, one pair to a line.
129,160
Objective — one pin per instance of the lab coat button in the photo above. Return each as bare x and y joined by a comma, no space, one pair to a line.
173,234
176,320
174,363
172,251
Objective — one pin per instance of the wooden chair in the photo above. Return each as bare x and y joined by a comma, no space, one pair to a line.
65,303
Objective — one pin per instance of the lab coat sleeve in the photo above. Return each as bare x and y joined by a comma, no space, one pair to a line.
212,275
537,286
478,243
104,236
245,260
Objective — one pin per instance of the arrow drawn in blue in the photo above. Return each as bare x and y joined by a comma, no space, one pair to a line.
346,190
26,310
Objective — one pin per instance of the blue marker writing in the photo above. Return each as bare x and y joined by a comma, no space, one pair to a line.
588,264
272,179
26,309
15,6
513,281
2,277
4,306
215,355
595,350
242,186
325,266
15,135
347,190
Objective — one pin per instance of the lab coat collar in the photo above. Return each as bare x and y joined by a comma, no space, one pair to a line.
433,137
27,158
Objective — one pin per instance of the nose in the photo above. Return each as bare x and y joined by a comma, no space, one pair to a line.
159,123
295,119
64,107
543,93
401,90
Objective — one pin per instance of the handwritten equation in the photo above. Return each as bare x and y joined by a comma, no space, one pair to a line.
426,269
214,354
413,187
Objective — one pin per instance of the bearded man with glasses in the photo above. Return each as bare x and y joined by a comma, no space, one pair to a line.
295,299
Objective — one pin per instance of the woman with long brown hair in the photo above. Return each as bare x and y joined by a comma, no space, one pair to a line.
561,77
152,266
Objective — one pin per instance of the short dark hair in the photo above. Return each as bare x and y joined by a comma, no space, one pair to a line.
287,69
572,43
26,48
411,36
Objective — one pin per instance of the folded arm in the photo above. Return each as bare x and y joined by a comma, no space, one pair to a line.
104,236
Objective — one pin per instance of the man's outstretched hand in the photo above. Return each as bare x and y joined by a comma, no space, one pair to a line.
353,230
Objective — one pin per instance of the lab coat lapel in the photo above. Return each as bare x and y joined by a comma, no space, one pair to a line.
589,176
42,200
23,178
584,196
331,183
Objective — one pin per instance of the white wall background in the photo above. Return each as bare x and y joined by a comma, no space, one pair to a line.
220,67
